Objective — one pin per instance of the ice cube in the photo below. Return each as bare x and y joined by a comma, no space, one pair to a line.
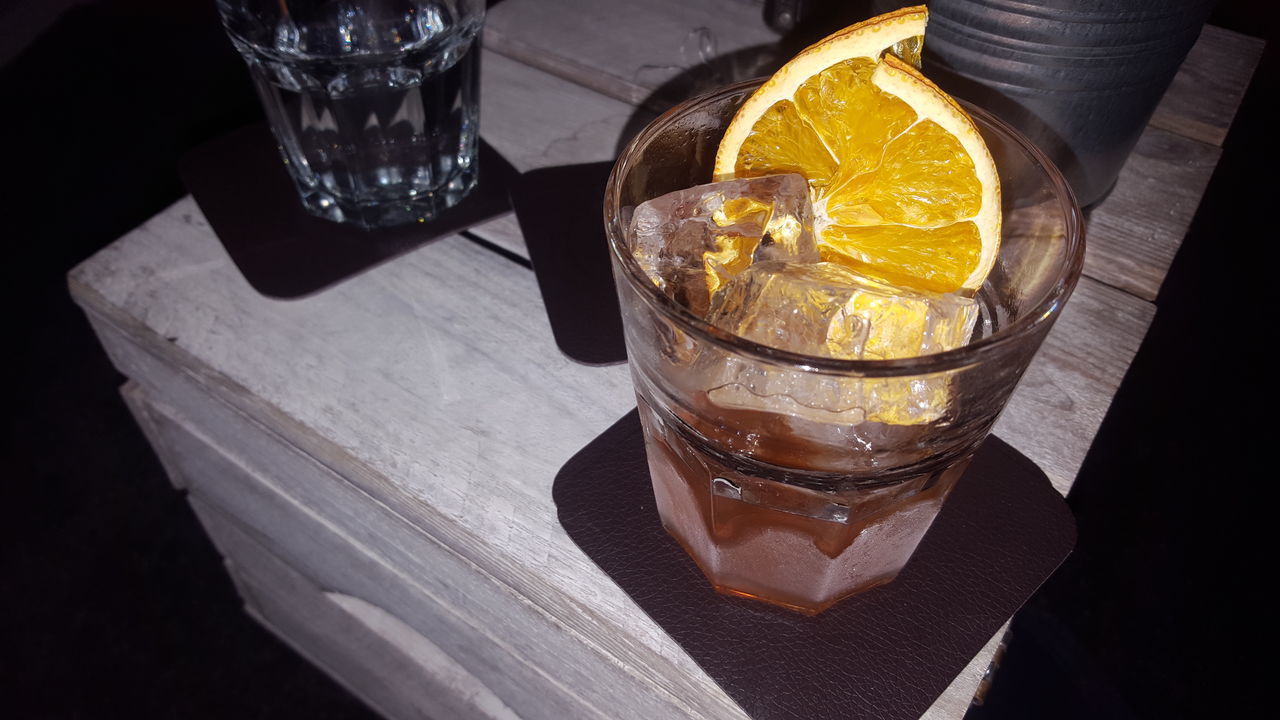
827,399
827,310
693,241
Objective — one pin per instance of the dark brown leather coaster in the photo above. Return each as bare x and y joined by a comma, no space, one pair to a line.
887,653
561,217
282,250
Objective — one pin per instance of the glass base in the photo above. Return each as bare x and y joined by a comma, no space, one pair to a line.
391,212
798,548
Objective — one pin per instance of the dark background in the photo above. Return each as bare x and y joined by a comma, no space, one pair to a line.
115,605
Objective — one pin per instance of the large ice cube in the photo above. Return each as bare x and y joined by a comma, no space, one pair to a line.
693,241
827,310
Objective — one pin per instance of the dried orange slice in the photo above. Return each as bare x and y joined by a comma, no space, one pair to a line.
905,190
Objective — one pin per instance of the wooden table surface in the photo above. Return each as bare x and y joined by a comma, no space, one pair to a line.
432,383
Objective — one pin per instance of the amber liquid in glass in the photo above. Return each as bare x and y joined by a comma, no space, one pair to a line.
800,538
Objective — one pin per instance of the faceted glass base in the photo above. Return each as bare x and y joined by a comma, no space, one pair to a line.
391,212
792,546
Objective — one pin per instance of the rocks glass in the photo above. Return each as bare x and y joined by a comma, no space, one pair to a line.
800,480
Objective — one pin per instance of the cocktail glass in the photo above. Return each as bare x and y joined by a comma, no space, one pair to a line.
801,480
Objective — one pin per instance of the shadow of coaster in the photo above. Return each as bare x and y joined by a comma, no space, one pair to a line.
886,653
561,217
285,252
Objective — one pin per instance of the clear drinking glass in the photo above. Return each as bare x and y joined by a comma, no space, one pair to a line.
374,103
795,479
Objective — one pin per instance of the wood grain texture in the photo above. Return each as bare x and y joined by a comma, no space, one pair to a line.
505,233
295,609
485,642
1202,100
1062,399
426,654
538,120
433,385
626,50
324,527
323,628
479,481
1134,234
399,686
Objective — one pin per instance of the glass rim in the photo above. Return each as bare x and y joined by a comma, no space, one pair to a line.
992,345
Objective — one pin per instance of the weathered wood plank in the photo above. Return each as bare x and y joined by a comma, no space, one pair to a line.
373,668
1060,403
400,670
505,233
482,634
460,418
538,120
1134,234
955,701
472,470
1202,99
399,683
625,50
296,505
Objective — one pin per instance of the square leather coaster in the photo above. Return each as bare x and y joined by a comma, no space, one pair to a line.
560,210
886,653
282,250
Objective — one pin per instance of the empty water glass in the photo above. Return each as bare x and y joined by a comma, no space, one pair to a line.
374,103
